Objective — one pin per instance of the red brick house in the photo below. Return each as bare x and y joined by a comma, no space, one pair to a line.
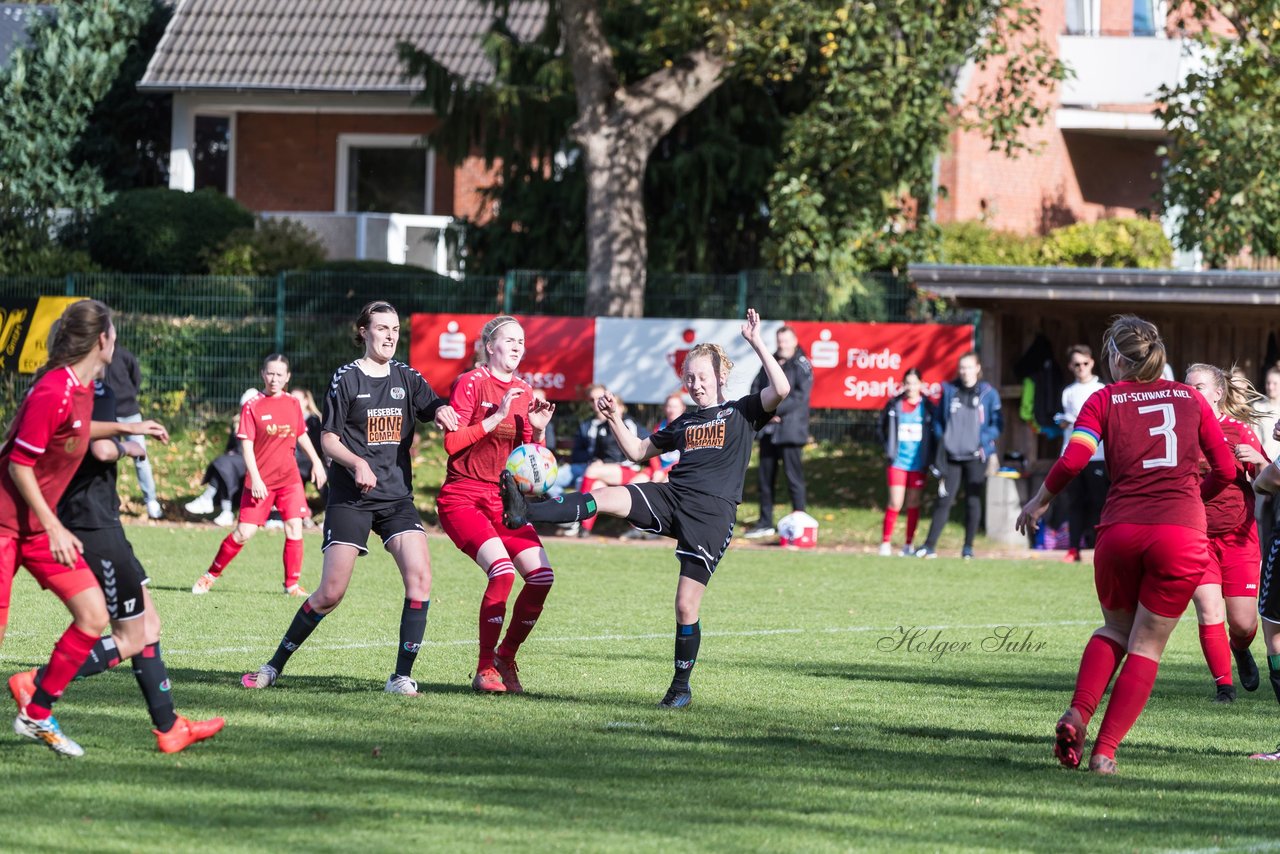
302,109
1098,149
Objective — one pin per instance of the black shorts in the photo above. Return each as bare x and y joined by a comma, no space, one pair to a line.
119,573
349,525
1269,584
702,526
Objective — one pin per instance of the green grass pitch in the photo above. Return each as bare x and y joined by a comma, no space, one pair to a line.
812,728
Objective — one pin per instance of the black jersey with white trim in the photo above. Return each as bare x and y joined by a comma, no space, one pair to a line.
715,446
91,501
374,417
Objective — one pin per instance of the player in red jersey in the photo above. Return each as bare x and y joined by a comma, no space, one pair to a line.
496,412
1151,548
1229,589
272,427
49,437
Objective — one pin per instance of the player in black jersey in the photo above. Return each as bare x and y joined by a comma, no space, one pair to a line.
697,506
369,418
90,510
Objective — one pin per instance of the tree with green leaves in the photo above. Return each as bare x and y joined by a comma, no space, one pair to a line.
1223,150
865,95
48,92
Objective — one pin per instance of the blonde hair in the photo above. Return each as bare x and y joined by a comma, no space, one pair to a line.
491,328
1137,345
1239,397
720,361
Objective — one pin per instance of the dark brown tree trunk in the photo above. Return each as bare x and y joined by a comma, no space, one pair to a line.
618,129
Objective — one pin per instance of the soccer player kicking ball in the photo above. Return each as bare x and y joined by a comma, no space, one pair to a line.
369,416
497,411
272,428
90,509
1152,548
697,505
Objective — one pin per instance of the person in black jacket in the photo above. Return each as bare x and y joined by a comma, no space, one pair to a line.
125,378
785,436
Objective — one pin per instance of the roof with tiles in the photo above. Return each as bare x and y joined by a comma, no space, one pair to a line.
324,45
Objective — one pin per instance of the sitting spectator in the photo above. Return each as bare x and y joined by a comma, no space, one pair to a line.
224,477
609,466
661,464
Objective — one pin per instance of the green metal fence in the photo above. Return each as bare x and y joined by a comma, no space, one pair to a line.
201,339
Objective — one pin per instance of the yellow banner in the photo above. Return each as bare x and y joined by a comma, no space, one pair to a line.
35,348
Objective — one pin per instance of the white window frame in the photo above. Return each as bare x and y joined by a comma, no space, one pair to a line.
348,141
182,175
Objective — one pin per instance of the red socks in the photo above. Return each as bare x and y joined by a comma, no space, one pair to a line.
890,519
528,607
1217,653
226,553
493,608
1130,694
1242,641
913,520
1101,657
292,561
69,655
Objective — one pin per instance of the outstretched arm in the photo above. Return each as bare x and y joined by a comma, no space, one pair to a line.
778,388
636,449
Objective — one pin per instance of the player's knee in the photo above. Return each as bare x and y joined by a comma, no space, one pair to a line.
541,576
243,533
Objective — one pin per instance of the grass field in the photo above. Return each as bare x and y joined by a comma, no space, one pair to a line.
809,730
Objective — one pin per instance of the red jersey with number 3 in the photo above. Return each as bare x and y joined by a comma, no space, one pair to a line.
1232,508
51,434
476,395
1155,433
273,424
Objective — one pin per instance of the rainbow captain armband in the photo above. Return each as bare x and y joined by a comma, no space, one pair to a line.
1084,437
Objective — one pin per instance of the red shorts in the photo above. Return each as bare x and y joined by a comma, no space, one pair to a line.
471,514
1159,566
1235,562
909,479
33,553
290,500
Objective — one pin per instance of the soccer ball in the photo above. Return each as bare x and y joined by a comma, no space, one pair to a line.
534,468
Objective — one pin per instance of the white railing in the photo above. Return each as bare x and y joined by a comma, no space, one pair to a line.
425,241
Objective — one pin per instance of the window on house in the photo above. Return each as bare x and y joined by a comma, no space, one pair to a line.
1082,17
212,155
387,180
1145,15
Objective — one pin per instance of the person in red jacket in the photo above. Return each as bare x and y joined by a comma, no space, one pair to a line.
496,412
1228,592
271,429
1151,546
49,437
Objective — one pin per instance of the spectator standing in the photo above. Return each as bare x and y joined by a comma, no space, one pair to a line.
968,424
124,376
1087,492
784,437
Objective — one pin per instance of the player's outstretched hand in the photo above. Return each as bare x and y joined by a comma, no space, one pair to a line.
751,329
151,428
446,418
606,405
1032,511
540,412
504,405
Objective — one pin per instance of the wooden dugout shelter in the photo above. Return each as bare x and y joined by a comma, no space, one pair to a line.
1218,317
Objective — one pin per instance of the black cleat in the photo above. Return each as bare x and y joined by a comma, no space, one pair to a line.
1226,694
1247,668
676,699
515,511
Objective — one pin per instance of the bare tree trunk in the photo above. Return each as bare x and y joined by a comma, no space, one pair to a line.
618,129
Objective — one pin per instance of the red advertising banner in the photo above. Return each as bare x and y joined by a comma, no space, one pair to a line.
558,351
860,365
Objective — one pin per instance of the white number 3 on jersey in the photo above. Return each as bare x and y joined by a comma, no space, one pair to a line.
1165,429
